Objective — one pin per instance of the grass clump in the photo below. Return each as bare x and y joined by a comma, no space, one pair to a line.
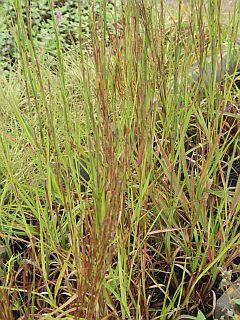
119,172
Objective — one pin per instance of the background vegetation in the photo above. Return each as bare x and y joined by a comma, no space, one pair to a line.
42,31
119,161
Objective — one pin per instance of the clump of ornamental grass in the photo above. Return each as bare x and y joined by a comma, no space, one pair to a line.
157,220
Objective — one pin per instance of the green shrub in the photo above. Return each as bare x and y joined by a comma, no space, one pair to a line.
67,14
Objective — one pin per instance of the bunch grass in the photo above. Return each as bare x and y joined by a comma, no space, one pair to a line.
153,229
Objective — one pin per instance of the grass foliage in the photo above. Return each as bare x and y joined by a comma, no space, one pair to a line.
149,235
